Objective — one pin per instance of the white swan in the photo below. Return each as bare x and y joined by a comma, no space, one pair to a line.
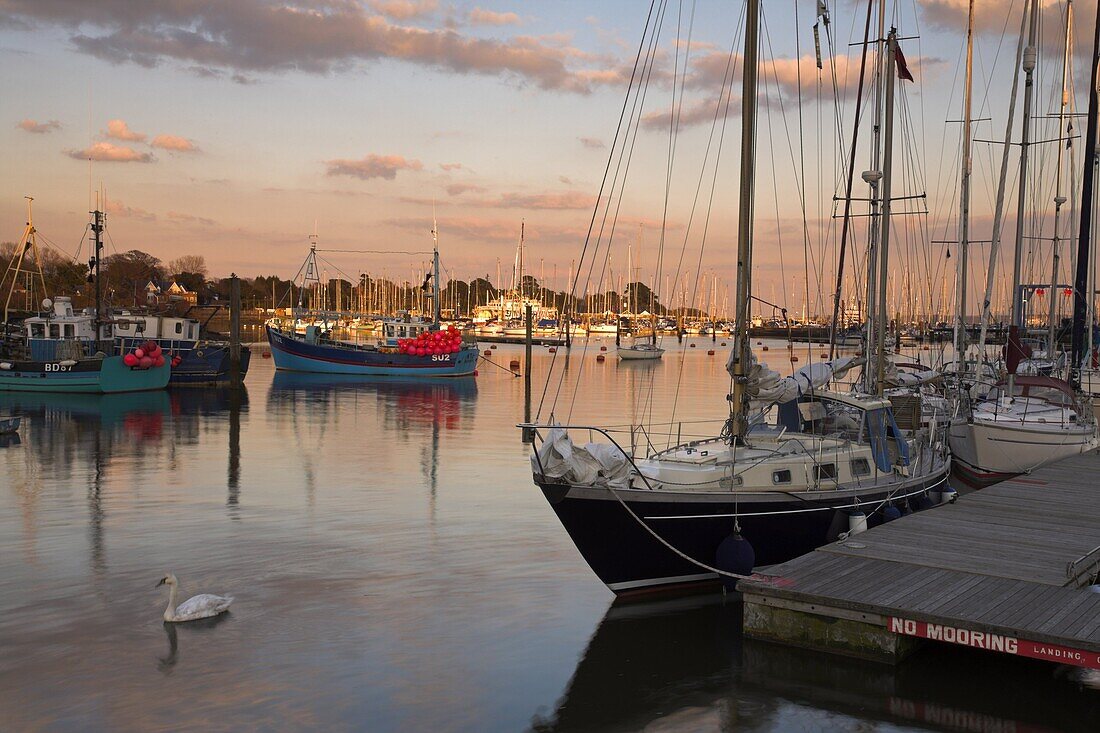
200,606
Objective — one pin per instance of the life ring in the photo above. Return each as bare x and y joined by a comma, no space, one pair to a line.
198,353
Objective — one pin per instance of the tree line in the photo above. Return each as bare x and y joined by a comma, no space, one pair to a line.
125,276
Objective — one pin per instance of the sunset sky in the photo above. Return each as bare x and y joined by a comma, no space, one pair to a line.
231,129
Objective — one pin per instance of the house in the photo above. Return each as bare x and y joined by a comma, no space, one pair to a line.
164,291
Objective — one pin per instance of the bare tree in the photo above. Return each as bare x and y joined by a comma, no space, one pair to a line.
194,264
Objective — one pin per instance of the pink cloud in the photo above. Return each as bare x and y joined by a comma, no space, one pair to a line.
119,130
404,9
592,142
174,142
456,189
451,166
477,16
117,208
39,128
183,218
247,36
544,201
372,166
110,153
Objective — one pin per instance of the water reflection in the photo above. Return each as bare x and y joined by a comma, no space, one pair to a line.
410,408
166,664
684,664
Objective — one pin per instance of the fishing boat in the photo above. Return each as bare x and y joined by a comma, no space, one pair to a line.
794,466
60,349
200,358
407,346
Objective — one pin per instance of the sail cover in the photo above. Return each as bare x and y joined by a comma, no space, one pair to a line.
765,385
898,378
595,464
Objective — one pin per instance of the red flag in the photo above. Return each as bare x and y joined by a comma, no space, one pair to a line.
903,68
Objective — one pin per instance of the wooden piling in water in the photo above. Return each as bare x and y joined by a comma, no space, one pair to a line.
235,332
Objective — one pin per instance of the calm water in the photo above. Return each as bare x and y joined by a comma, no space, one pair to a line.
395,570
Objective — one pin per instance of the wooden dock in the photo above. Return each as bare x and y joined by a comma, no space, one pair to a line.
1005,569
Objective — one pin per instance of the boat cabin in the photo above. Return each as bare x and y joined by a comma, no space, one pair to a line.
62,333
853,417
142,327
394,330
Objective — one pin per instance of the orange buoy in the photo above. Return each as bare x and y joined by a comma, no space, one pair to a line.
600,357
794,358
493,346
266,355
710,352
488,353
764,349
514,364
552,350
824,355
603,348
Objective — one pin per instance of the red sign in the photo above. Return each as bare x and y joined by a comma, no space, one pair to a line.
996,643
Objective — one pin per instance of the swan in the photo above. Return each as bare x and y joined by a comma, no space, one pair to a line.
200,606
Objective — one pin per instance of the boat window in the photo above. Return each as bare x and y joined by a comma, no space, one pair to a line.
55,330
825,471
861,467
38,330
124,327
1052,395
781,477
842,420
70,330
179,327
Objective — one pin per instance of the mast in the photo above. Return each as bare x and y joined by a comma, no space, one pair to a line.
97,232
1082,295
884,238
1059,197
873,177
964,199
742,354
998,208
1030,55
27,243
435,271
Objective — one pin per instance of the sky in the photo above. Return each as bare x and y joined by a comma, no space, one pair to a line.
235,130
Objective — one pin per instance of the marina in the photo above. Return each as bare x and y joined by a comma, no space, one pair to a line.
674,367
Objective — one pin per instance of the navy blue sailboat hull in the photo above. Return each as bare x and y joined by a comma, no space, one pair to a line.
628,559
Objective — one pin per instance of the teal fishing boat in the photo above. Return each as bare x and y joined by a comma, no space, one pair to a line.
60,349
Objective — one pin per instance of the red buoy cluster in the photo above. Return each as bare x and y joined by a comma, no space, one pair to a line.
146,356
431,343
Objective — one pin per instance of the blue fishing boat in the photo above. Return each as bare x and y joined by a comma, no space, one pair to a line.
407,347
61,350
198,358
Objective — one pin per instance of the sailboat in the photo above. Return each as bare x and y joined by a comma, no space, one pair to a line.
758,493
1025,421
60,349
645,348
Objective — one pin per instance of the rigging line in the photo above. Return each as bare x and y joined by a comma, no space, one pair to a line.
571,300
800,183
706,220
851,175
721,112
378,251
629,156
